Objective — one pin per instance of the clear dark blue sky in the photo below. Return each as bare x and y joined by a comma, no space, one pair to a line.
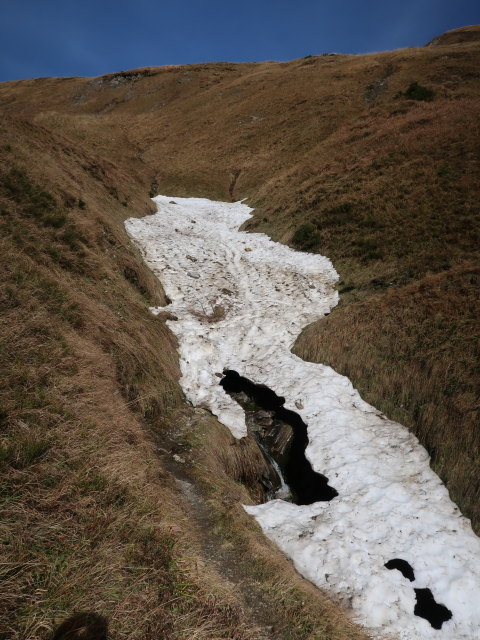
92,37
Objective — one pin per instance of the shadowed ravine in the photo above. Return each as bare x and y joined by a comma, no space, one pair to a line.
306,485
388,502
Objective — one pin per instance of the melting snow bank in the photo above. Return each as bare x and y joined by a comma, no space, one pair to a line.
241,300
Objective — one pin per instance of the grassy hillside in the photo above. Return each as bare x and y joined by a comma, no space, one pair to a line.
371,160
96,513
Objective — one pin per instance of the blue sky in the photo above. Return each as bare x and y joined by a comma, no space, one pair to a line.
91,37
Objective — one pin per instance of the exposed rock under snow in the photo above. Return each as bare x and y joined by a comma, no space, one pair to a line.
390,503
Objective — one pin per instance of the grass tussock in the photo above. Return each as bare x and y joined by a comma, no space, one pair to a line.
216,313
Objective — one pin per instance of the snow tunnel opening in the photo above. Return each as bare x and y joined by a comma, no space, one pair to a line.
287,428
426,607
403,566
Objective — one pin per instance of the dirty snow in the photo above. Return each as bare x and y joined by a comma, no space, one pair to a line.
241,300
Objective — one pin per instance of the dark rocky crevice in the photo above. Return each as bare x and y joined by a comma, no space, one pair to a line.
233,181
282,436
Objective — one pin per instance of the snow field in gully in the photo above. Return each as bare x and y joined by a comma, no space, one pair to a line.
240,301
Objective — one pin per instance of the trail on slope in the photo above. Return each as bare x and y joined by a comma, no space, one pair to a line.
240,301
222,557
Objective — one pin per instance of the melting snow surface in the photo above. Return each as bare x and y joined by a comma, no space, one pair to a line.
390,503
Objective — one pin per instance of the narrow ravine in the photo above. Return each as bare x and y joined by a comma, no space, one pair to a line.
295,472
240,301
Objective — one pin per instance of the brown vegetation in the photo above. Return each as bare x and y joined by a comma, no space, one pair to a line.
338,156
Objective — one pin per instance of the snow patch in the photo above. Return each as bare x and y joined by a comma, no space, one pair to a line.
390,503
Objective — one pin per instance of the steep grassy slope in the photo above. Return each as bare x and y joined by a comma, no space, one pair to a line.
339,156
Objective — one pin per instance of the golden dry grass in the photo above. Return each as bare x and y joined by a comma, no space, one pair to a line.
470,33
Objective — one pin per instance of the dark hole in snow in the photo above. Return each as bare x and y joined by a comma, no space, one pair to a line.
403,566
427,608
307,485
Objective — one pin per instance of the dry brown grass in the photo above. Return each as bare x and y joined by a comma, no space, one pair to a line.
88,516
470,33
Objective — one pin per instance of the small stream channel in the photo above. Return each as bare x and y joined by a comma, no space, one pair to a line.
282,436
